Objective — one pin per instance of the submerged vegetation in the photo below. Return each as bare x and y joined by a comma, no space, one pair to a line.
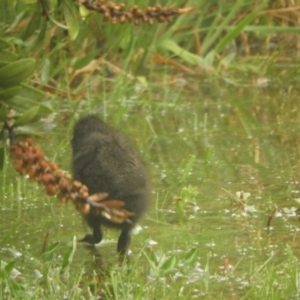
209,97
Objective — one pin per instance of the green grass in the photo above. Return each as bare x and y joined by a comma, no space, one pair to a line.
147,275
196,242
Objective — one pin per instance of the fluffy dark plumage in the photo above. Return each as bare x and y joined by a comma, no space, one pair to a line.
104,161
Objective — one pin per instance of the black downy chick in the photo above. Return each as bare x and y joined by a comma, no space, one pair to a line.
104,161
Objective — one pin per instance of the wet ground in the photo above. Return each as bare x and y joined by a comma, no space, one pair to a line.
225,166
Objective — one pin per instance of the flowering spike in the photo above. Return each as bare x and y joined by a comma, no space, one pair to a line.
29,159
118,14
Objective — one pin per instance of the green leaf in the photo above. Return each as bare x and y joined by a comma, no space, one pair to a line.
71,17
34,22
21,105
207,155
151,261
3,113
7,94
8,268
84,12
182,53
27,98
42,36
218,26
7,11
238,28
7,56
45,70
32,93
272,29
3,64
51,249
81,63
69,254
170,264
28,116
4,44
14,73
191,256
188,168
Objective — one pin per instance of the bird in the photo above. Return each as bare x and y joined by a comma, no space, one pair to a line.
104,161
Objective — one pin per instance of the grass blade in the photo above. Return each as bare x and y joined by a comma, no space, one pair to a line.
238,28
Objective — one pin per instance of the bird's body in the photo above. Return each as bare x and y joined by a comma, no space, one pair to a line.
104,161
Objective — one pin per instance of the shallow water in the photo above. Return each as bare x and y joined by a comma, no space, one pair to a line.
202,147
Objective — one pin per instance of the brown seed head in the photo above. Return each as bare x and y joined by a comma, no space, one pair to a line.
114,20
59,174
63,185
122,19
32,172
161,18
110,5
150,21
97,197
134,8
84,195
158,8
18,164
51,189
47,178
149,10
129,16
106,16
29,141
68,177
122,6
44,165
72,196
18,151
53,166
76,185
83,189
85,209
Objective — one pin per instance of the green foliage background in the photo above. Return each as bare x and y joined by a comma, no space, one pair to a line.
48,41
